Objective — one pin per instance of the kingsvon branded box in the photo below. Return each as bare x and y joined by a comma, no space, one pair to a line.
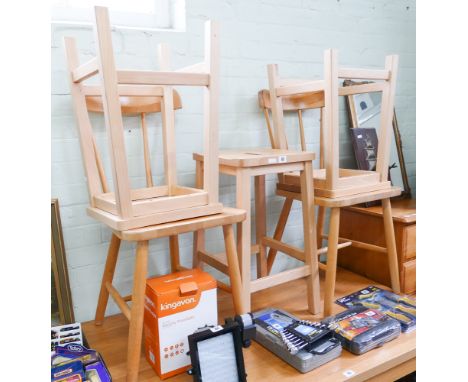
175,306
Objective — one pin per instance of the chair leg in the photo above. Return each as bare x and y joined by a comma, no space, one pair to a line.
391,245
108,275
174,252
279,230
234,270
137,312
330,277
320,224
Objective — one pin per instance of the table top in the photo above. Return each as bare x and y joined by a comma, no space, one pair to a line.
403,210
253,157
393,360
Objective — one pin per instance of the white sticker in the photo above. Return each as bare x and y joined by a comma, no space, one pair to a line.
272,160
359,136
216,328
349,373
282,159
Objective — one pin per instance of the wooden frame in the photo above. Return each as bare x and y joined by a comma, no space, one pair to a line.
124,208
60,268
406,193
333,181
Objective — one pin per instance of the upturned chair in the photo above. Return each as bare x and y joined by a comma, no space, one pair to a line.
144,214
334,187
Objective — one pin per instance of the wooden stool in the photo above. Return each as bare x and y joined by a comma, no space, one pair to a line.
257,163
336,187
147,213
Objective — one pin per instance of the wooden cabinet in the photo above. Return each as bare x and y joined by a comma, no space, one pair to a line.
366,224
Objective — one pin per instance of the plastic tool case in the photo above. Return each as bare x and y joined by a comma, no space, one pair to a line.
361,329
271,325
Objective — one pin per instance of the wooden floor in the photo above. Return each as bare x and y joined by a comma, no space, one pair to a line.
395,359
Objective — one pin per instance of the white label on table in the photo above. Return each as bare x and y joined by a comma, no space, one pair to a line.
282,159
272,160
349,373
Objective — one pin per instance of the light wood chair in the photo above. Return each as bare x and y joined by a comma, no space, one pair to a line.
127,208
153,212
334,187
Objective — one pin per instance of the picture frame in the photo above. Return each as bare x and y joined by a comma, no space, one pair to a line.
61,300
363,110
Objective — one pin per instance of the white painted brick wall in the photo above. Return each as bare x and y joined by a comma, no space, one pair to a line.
254,33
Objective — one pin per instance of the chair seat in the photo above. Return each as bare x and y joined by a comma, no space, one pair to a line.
226,217
342,201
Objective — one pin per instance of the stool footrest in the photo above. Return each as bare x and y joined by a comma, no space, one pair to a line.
279,278
288,249
360,244
119,300
323,250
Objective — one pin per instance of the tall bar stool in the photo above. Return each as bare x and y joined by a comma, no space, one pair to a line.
152,212
335,187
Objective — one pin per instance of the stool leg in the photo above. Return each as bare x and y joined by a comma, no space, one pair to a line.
107,276
243,233
198,236
310,243
137,312
391,245
279,230
198,245
330,276
234,270
174,252
320,224
260,224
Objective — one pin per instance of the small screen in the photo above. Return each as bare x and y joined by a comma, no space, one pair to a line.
217,358
304,329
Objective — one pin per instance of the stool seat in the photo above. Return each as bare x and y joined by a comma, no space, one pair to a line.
352,182
289,191
227,216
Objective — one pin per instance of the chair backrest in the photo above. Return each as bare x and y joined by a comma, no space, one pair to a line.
297,103
132,105
329,88
119,90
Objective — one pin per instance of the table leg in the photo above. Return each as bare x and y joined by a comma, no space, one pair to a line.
260,224
243,232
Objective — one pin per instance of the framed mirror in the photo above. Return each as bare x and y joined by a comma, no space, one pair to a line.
61,301
364,112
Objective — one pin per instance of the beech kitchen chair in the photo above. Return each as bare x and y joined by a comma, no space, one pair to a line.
152,212
335,187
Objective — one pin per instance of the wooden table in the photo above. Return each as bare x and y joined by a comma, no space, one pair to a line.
255,163
388,363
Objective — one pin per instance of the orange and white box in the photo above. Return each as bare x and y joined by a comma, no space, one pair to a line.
175,306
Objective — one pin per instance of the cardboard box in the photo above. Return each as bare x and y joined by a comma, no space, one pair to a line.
175,306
